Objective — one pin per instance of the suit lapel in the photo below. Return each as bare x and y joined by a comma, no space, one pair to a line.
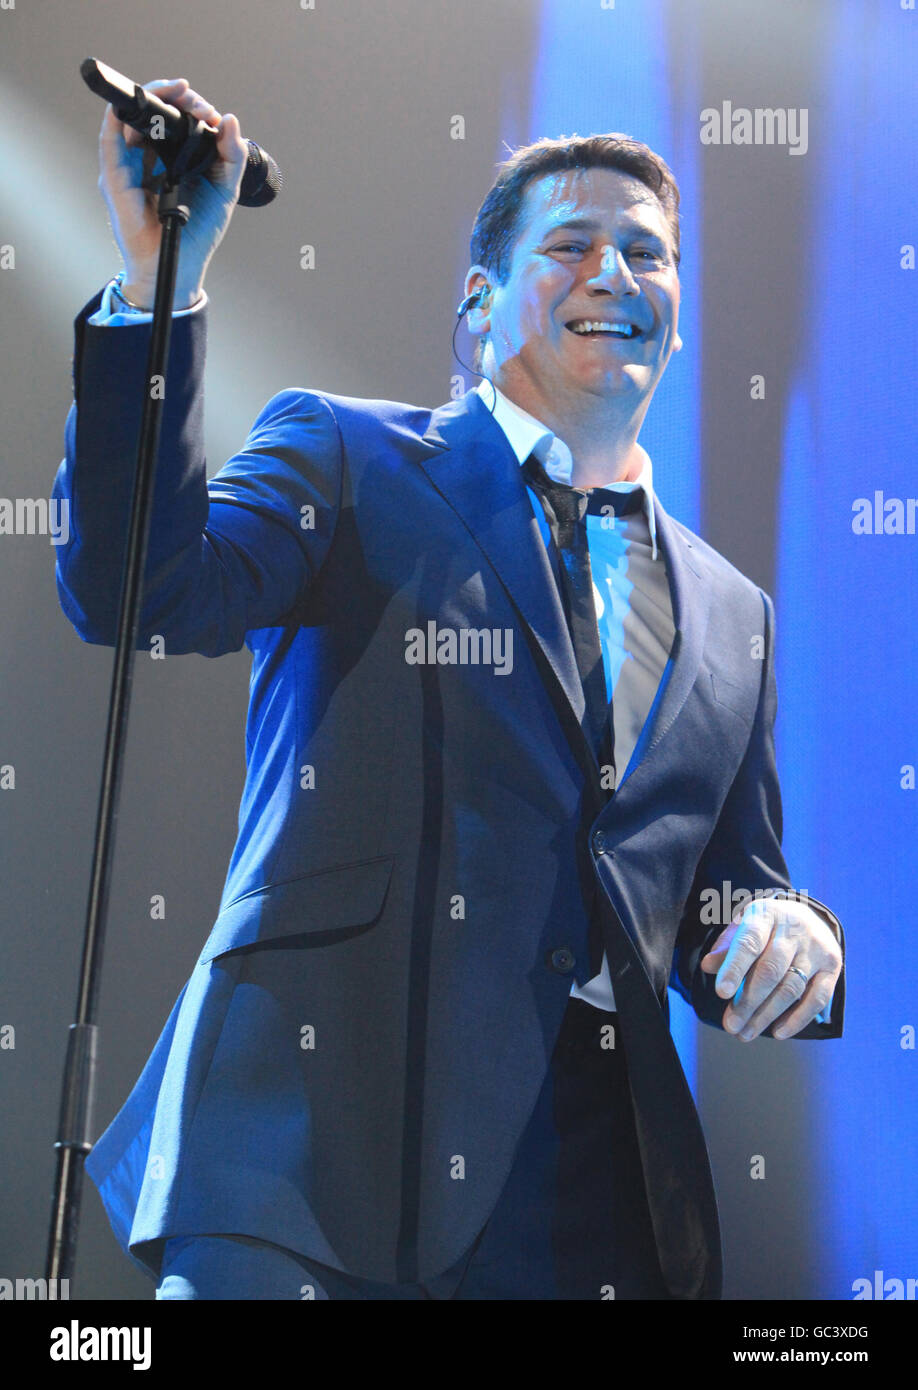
690,593
472,465
468,459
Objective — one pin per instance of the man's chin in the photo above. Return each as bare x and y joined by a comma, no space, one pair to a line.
627,380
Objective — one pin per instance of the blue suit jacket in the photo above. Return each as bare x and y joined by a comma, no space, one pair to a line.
421,845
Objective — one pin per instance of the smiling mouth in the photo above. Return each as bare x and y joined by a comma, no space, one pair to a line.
603,328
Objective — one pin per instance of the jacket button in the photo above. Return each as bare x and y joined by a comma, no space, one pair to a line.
599,842
562,960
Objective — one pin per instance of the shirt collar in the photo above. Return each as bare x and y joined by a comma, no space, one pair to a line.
527,435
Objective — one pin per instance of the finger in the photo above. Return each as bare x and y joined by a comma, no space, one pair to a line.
815,998
150,164
712,962
117,161
713,959
230,145
789,990
197,106
171,90
766,976
178,95
746,946
115,138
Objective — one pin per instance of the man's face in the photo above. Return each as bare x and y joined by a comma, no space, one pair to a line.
593,245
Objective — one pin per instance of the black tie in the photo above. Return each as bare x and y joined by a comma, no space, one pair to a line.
565,510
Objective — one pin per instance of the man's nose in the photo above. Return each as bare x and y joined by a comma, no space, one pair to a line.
613,273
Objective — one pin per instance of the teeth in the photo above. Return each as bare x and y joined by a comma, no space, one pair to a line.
621,330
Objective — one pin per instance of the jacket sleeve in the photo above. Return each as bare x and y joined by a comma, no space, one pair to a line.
225,556
744,853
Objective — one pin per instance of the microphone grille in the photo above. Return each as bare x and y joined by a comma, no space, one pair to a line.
262,180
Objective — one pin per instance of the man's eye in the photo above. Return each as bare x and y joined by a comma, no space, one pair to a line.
567,246
641,252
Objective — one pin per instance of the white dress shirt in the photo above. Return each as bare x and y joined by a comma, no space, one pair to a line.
111,312
630,593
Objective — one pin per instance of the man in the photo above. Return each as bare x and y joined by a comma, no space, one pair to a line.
424,1052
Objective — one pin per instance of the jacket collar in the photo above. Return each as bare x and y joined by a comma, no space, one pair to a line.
527,435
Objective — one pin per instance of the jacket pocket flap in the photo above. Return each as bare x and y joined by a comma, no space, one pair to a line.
323,906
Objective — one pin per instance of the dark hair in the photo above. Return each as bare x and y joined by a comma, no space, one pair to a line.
497,222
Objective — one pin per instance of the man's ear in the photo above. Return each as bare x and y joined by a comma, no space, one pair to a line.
677,342
477,282
476,278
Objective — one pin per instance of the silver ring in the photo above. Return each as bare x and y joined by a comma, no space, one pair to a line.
797,971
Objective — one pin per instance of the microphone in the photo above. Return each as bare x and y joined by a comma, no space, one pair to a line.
167,129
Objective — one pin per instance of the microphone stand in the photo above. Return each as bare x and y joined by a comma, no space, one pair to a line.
75,1121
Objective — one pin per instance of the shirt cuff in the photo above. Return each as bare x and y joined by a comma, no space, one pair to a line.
111,313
